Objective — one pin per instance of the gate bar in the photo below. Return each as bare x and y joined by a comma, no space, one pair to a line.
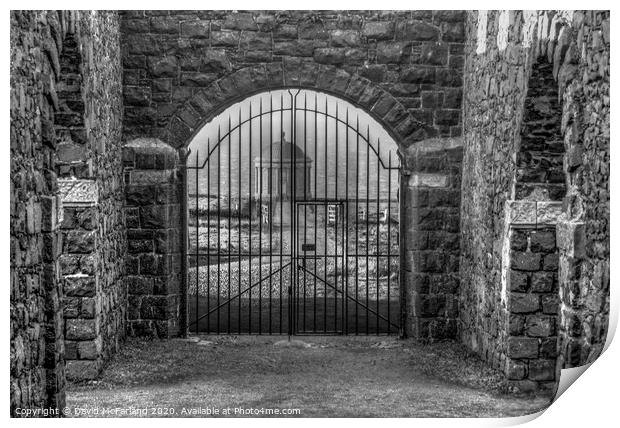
367,219
389,230
378,229
219,220
345,301
259,183
198,249
229,220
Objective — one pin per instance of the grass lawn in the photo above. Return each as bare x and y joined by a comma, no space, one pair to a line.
322,377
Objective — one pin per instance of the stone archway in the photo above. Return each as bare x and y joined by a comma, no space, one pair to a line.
361,92
205,105
428,312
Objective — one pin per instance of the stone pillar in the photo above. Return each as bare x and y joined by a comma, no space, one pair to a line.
432,240
153,192
530,294
80,279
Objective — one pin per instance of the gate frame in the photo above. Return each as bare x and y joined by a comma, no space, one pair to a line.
204,105
294,257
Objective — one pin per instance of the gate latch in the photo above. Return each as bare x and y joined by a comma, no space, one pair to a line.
308,247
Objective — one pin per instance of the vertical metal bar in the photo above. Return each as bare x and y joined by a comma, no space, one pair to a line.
305,196
378,226
184,307
294,272
297,209
345,300
336,229
219,219
357,191
367,216
229,304
316,144
239,225
198,245
270,212
208,264
259,182
281,200
325,258
389,242
402,200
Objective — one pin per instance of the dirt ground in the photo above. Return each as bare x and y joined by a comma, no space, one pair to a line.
319,376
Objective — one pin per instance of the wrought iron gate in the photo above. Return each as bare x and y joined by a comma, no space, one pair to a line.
293,222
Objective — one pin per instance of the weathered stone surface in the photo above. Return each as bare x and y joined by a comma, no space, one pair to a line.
378,30
77,241
518,281
79,285
542,241
539,326
548,212
525,261
521,212
515,370
542,370
542,282
198,29
80,329
571,239
523,303
521,347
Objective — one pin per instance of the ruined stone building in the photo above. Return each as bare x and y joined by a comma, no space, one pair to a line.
502,126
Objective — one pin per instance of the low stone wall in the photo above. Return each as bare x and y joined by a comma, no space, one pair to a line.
154,237
432,216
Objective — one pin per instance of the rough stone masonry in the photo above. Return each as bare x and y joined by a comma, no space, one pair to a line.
502,119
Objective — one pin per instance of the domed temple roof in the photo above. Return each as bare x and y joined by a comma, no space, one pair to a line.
287,152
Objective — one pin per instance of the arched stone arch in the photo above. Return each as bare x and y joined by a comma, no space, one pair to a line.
359,91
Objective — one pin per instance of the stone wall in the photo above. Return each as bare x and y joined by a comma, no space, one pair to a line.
90,164
541,152
432,213
584,228
37,361
509,55
65,121
170,56
495,85
103,119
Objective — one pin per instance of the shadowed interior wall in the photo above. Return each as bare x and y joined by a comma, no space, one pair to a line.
500,52
37,361
91,185
55,130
